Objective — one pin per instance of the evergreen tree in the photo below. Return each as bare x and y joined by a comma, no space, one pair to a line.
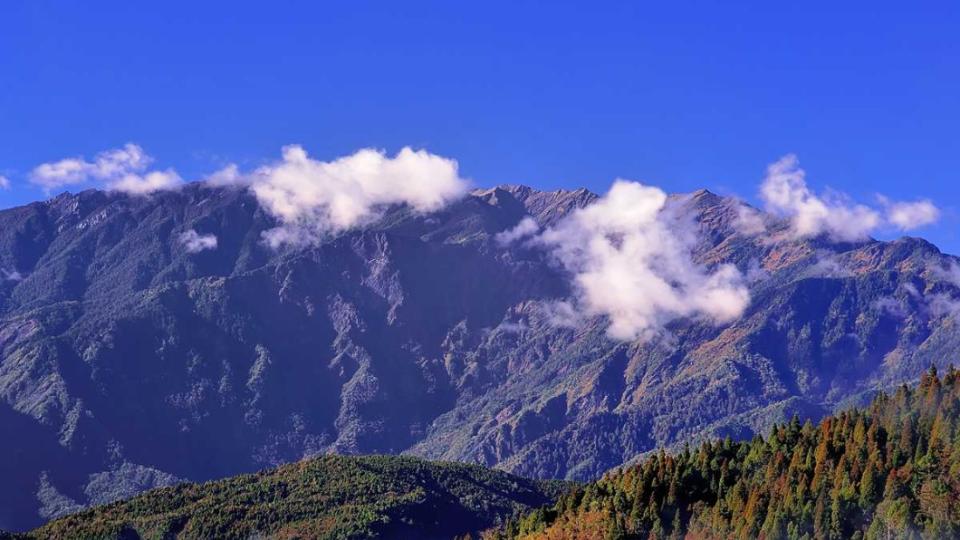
891,470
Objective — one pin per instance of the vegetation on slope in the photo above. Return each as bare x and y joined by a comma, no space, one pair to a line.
325,497
889,471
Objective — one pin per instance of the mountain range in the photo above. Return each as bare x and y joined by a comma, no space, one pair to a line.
135,354
888,470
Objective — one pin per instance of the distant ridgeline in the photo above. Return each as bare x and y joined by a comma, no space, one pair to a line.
889,471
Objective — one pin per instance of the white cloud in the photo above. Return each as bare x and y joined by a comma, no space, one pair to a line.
4,182
828,266
119,169
950,274
756,272
10,275
749,221
312,198
227,176
785,192
150,182
942,304
508,327
61,173
911,215
631,261
561,313
527,227
891,306
195,242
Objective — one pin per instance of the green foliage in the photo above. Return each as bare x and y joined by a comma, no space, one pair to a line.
891,470
325,497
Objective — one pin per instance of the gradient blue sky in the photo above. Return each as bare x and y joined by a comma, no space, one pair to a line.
678,94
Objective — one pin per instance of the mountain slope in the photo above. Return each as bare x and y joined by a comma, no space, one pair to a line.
888,471
128,361
326,497
826,323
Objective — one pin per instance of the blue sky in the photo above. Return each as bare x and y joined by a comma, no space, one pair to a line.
680,95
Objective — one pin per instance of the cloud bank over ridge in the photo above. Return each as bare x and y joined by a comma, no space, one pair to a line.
119,169
311,197
630,257
785,193
628,253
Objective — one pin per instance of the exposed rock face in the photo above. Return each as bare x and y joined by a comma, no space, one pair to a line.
127,361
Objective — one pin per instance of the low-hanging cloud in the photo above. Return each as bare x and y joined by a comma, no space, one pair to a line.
785,192
561,313
828,265
631,261
526,228
312,198
749,221
227,176
120,169
195,242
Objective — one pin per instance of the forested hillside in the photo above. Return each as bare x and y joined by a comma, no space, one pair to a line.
891,470
326,497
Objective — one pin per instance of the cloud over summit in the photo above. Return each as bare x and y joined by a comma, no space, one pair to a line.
312,197
629,253
120,169
631,261
309,197
785,193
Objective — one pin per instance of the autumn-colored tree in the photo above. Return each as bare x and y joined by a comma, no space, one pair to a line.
891,470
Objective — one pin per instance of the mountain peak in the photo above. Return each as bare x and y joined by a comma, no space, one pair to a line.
549,206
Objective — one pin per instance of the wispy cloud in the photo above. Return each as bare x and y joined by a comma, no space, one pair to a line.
195,242
785,192
312,198
829,266
10,275
630,257
910,215
526,228
120,169
4,182
309,197
749,220
561,313
227,176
